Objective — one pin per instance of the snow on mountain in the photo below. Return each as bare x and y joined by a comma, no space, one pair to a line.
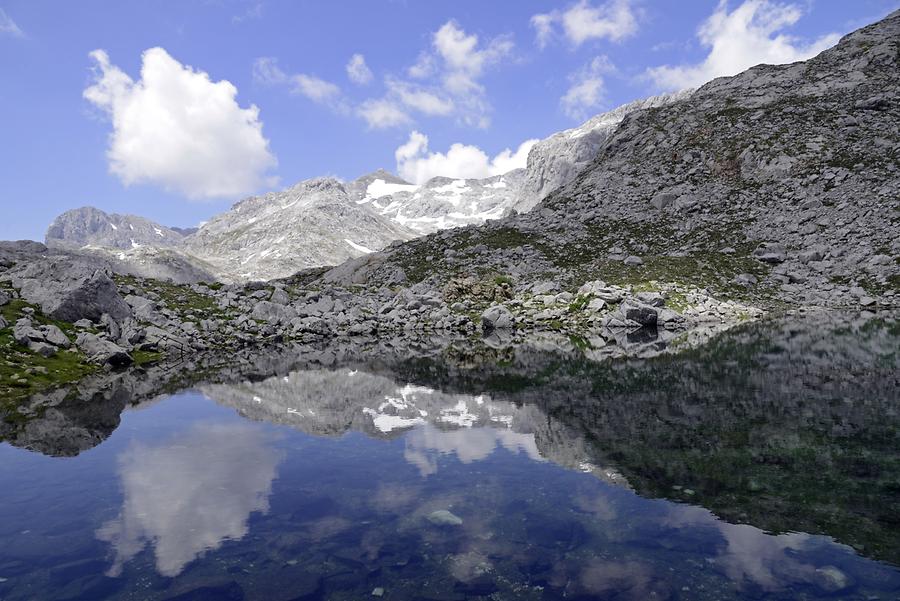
311,224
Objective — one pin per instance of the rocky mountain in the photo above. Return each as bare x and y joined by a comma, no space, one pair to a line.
88,226
779,184
443,202
555,161
311,224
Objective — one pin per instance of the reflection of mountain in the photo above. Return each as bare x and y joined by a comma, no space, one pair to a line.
789,425
333,401
190,494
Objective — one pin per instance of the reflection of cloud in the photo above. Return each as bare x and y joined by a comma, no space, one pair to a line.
469,444
751,555
190,494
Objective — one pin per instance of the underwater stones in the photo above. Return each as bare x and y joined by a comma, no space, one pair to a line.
442,517
831,579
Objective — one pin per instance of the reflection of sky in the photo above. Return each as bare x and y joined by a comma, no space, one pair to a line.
424,444
751,555
190,494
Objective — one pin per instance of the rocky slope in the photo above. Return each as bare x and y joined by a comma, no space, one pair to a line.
555,161
88,226
275,235
775,187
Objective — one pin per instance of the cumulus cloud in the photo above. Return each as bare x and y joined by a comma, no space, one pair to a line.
416,164
178,129
358,71
267,71
587,89
749,35
8,26
581,22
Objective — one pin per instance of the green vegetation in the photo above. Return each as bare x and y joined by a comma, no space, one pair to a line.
23,372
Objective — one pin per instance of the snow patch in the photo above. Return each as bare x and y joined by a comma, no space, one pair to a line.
379,188
358,247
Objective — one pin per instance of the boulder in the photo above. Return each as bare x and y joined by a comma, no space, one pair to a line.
4,298
663,199
24,332
270,312
69,288
770,252
55,336
497,317
644,315
633,260
102,351
280,297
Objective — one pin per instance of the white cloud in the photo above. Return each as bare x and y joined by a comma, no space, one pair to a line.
747,36
358,71
581,22
267,71
382,114
587,89
449,75
253,12
8,26
178,129
429,102
314,88
188,496
417,165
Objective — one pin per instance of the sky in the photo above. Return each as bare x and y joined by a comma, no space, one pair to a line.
175,109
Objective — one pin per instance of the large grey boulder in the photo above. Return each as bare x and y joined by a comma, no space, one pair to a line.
497,317
4,298
640,313
69,288
102,351
272,313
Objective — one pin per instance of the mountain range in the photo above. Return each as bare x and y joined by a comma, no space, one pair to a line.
323,222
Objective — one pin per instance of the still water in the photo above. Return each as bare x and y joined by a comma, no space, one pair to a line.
762,467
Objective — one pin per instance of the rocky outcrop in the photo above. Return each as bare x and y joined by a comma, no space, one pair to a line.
89,226
68,288
555,161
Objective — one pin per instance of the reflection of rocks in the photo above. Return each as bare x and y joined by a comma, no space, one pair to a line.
190,494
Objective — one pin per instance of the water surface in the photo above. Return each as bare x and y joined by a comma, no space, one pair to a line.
762,467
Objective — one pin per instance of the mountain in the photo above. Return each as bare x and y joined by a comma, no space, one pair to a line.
444,202
555,161
776,186
311,224
89,226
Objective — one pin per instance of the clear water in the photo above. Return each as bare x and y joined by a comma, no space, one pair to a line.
758,469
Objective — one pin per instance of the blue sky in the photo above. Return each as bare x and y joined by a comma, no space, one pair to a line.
183,141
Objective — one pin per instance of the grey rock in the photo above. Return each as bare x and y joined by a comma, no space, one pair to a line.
55,336
746,279
4,298
663,199
633,260
770,252
280,297
497,317
102,351
644,315
69,288
90,226
272,313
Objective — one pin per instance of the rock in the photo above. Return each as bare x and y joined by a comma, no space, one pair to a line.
442,517
84,324
644,315
4,298
378,591
654,299
596,304
69,288
280,297
633,260
663,199
55,336
746,279
770,252
3,323
867,301
102,351
272,313
831,579
24,332
497,317
42,348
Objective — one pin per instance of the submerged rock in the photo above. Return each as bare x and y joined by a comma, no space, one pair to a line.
442,517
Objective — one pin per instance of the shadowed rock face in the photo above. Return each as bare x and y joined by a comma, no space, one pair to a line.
755,426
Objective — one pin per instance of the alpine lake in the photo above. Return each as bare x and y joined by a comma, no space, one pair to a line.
764,464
